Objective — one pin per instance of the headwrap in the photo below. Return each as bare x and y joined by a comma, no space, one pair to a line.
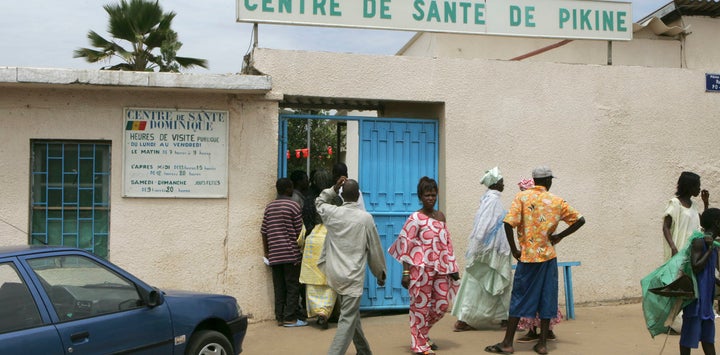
525,184
491,177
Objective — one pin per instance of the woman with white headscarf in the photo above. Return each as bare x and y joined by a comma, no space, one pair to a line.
484,296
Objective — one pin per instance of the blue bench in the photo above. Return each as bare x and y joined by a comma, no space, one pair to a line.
567,280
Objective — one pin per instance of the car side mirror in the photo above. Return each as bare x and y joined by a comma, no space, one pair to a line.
152,298
155,298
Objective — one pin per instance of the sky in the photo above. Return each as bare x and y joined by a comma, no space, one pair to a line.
44,33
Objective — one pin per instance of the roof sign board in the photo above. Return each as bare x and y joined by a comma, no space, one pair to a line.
569,19
712,82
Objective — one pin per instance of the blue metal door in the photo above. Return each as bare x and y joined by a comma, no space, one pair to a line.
394,155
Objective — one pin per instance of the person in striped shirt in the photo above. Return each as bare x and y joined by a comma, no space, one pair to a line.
281,226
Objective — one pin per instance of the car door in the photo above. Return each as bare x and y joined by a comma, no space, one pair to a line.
97,308
25,327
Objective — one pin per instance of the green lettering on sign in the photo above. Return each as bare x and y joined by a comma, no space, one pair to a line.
249,6
593,20
479,14
319,7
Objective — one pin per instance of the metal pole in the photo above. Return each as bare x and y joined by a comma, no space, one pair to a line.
609,53
255,35
308,147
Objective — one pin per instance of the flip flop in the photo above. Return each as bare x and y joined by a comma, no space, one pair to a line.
299,323
461,327
537,349
528,338
496,349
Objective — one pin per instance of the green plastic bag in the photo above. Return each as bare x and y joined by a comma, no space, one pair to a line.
660,311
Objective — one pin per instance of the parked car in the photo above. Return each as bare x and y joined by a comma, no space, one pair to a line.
57,300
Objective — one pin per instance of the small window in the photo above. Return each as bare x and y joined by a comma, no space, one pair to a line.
79,287
70,194
18,310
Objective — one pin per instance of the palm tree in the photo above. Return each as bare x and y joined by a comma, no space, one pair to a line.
143,24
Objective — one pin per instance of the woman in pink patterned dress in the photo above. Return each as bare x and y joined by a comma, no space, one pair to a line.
430,273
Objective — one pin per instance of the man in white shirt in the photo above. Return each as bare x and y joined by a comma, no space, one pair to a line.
352,242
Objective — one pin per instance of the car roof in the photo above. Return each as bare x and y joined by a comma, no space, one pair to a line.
16,250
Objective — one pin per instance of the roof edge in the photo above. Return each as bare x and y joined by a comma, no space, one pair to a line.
218,82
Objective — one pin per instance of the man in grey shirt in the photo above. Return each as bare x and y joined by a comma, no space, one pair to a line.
352,242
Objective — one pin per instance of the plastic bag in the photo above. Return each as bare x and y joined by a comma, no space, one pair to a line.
659,310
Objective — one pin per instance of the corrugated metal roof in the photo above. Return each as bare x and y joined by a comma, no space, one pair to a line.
670,12
658,27
676,8
698,7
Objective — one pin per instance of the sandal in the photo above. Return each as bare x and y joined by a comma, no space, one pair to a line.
322,322
496,349
432,345
461,326
529,337
551,336
540,350
426,352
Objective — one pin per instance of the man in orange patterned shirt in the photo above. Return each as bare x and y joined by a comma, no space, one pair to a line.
536,214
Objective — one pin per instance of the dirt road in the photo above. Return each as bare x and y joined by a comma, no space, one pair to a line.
601,330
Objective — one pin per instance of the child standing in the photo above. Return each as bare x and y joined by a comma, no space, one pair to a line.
698,317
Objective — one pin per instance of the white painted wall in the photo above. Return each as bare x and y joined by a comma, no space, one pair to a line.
352,154
207,245
617,137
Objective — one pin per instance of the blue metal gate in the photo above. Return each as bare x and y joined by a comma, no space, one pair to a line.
394,154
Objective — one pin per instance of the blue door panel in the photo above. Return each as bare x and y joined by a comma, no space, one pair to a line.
283,146
394,154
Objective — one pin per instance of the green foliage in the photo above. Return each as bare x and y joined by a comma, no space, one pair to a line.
323,133
146,30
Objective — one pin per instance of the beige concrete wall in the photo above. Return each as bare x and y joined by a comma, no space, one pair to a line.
645,49
617,138
702,50
208,245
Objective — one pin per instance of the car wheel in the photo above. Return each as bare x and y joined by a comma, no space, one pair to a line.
209,342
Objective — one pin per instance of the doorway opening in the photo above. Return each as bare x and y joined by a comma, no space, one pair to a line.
387,156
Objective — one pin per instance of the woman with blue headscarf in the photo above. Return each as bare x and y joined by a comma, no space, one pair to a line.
484,295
